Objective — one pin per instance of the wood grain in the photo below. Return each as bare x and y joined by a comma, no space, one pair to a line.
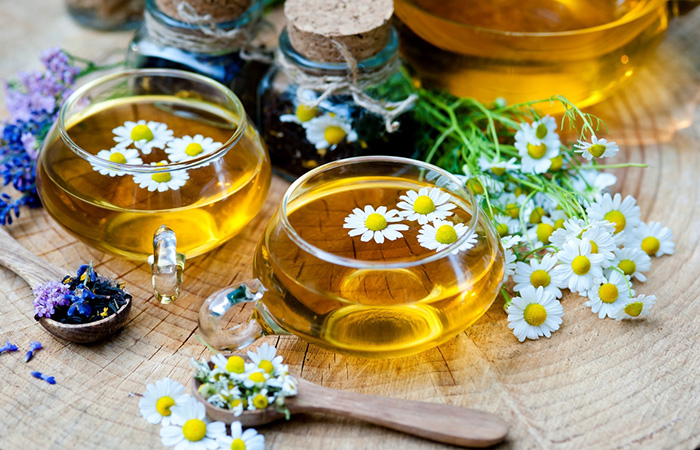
594,384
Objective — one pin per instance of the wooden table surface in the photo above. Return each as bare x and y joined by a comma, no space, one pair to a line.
594,384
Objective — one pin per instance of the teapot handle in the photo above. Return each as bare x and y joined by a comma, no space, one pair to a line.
167,265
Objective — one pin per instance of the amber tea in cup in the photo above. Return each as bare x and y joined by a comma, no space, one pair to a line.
373,256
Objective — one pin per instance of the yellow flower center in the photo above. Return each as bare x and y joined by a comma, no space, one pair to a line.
423,205
608,293
536,151
557,163
537,214
544,231
235,364
334,135
541,131
238,444
617,218
140,133
193,149
163,405
375,222
475,186
513,210
256,377
594,247
597,150
194,430
266,366
502,229
535,314
559,223
498,171
305,113
540,278
634,309
446,234
650,245
118,158
581,265
627,266
161,177
260,401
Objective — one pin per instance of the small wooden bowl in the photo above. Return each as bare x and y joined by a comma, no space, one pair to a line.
86,333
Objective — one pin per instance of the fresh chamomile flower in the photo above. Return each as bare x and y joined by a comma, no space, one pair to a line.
608,294
624,214
260,400
191,430
234,365
188,147
329,130
242,440
266,358
632,261
510,241
636,308
597,148
162,181
591,183
600,235
579,268
441,234
534,313
540,234
375,224
257,378
498,167
144,135
119,156
545,131
654,239
571,229
536,153
159,398
426,205
509,263
505,225
511,204
538,274
302,114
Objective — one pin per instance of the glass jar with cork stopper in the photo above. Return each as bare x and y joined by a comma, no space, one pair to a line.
336,89
212,38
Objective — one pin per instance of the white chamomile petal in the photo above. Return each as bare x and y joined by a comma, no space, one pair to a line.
597,148
159,398
370,224
632,261
329,130
162,181
509,263
579,267
624,214
636,308
250,439
442,234
190,147
591,183
120,156
538,274
426,205
190,428
608,294
534,313
602,242
144,135
537,144
654,239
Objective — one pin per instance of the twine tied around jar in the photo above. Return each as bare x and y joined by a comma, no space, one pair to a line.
351,82
208,37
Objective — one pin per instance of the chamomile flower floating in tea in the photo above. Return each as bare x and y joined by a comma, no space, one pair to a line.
534,313
632,261
190,429
162,181
159,399
426,205
242,440
329,130
145,136
624,214
188,147
369,224
609,294
117,155
636,308
538,274
653,239
579,267
597,148
441,234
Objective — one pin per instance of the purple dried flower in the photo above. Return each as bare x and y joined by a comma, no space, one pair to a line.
34,346
48,296
8,347
41,376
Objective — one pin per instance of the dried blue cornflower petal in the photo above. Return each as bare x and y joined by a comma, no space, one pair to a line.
34,346
8,347
41,376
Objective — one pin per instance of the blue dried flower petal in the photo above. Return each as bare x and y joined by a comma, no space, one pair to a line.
41,376
34,346
8,347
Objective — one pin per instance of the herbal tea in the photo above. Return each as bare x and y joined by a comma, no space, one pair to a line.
366,307
118,212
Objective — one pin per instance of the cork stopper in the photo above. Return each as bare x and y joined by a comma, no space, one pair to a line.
220,10
362,25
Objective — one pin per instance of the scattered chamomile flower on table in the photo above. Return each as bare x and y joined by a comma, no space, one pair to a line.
597,148
509,263
534,313
242,440
190,429
498,166
369,224
636,308
653,239
609,294
120,156
426,205
632,261
162,181
592,183
441,234
329,130
188,147
600,235
624,214
538,274
571,229
144,135
579,267
159,399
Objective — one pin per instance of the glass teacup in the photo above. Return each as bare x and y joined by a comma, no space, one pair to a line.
146,150
373,256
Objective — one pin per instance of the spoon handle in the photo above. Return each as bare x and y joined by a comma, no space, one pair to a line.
442,423
21,261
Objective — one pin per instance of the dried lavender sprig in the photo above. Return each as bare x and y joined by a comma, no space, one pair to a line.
8,347
41,376
34,346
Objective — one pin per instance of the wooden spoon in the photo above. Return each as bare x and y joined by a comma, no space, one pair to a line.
35,272
442,423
